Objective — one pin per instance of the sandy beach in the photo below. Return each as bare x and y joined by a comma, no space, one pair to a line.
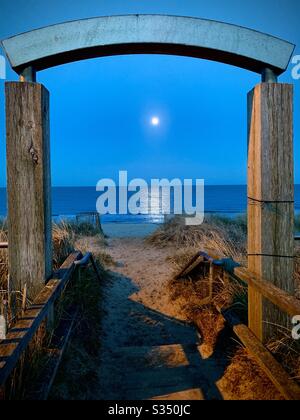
149,349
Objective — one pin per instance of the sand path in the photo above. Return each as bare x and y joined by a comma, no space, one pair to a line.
148,349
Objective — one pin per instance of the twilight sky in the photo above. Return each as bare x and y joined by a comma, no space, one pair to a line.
101,109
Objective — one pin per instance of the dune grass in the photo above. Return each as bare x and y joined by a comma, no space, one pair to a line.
287,352
245,380
78,376
222,237
227,237
66,238
79,373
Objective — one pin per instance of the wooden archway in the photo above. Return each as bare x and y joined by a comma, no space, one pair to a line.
270,135
147,34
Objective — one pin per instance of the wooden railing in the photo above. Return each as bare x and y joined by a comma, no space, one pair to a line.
286,302
283,300
22,333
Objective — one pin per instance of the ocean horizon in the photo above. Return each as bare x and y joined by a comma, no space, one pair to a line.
67,202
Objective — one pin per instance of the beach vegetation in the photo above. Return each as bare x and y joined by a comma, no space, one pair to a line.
222,237
79,374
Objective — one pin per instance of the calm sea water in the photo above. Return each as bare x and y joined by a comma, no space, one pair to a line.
68,201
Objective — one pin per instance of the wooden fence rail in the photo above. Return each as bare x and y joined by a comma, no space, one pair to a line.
21,334
283,300
266,361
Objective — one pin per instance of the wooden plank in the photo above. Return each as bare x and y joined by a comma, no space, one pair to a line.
283,300
28,185
58,345
208,299
21,334
190,266
85,260
192,394
270,201
270,111
196,260
275,372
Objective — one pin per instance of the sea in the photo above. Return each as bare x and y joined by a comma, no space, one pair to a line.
67,202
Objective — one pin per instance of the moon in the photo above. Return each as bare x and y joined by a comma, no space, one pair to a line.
155,121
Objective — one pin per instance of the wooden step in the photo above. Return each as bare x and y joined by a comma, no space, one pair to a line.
168,371
188,395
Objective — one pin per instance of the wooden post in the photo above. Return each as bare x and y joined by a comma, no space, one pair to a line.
28,185
270,201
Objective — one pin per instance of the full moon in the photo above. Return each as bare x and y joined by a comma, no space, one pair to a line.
155,121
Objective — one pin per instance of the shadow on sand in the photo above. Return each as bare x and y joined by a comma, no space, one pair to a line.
146,354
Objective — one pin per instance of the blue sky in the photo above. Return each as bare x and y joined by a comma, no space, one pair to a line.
101,109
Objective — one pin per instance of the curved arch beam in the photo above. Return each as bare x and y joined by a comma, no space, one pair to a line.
150,34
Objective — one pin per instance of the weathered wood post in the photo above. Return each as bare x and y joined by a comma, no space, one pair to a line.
28,185
270,200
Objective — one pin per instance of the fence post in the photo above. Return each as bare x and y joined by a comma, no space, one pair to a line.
28,185
270,201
